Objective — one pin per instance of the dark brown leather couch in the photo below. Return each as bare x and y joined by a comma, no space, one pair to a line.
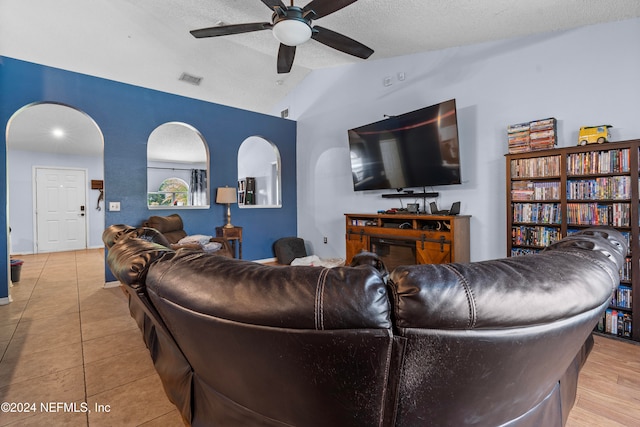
490,343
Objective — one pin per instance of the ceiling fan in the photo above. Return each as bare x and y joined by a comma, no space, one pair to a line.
291,26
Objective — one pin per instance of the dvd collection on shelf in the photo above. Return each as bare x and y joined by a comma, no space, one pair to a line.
616,322
542,213
598,162
610,187
537,237
536,167
561,192
615,214
534,190
532,136
622,297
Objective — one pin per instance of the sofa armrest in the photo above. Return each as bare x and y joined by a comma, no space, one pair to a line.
129,259
573,277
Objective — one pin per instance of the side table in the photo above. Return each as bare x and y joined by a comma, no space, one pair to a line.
233,234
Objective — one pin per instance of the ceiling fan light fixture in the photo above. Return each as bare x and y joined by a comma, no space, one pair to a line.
58,133
292,32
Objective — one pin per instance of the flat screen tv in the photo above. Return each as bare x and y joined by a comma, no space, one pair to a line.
415,149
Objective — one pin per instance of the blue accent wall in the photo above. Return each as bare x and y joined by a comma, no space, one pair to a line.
126,116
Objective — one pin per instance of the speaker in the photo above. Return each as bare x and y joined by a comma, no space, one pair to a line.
455,209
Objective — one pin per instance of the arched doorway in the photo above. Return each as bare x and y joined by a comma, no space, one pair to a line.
58,143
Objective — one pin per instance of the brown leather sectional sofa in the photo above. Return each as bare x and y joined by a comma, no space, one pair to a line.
493,343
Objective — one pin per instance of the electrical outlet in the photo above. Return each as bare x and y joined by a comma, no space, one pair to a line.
114,206
325,240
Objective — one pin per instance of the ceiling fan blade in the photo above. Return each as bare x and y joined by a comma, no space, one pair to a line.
285,58
341,42
272,4
325,7
225,30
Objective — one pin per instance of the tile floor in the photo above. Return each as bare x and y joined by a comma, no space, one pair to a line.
68,344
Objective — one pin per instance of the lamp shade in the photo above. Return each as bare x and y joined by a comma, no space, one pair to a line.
226,195
292,32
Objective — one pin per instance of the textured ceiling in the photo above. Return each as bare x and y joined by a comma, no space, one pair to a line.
147,42
391,28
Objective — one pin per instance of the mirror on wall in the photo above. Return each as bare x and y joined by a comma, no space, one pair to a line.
177,168
259,174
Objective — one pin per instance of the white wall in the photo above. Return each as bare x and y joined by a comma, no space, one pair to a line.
21,208
582,77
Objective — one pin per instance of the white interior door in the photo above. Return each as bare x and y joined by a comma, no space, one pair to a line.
60,209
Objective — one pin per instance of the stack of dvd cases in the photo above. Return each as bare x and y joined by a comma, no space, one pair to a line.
542,134
518,135
532,136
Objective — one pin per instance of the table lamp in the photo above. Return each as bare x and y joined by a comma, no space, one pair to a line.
226,195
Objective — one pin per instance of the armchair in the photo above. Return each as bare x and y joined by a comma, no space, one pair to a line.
172,229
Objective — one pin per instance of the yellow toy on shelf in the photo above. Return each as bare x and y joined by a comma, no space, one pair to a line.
594,134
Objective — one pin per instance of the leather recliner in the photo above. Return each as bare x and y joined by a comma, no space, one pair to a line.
172,229
488,343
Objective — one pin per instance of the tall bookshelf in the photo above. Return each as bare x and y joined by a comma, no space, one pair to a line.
553,193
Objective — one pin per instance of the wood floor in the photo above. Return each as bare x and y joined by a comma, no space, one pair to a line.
609,386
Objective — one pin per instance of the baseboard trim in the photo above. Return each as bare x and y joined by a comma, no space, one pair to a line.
6,300
114,284
266,260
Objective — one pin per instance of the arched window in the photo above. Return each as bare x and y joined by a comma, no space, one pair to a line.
177,167
171,192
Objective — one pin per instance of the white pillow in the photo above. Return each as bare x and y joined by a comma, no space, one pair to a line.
195,238
212,246
307,260
315,261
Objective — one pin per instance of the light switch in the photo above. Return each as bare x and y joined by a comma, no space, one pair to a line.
114,206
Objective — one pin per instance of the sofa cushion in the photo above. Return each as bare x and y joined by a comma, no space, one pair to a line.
278,346
291,297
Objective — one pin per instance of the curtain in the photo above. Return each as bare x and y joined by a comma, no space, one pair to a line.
198,187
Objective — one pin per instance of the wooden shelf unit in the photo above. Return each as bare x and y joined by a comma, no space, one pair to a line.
438,238
552,193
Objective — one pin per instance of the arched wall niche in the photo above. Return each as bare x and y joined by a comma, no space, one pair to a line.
259,174
177,154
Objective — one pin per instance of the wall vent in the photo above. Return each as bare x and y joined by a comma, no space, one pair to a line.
284,113
188,78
